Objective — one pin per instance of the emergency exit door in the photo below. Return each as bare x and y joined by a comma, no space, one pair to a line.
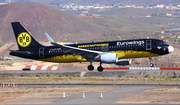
41,52
148,45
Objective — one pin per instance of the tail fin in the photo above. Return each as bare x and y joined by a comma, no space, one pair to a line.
24,39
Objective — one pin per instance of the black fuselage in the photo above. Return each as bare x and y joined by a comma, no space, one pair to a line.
135,48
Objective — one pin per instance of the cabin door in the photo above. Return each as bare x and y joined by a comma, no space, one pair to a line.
41,52
148,45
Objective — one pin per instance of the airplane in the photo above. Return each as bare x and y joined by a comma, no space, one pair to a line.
119,52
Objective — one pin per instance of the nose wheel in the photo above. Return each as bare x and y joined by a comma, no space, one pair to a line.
150,63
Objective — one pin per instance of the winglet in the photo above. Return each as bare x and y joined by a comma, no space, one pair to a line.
49,38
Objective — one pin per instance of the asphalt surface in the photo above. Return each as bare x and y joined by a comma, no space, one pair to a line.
137,73
108,97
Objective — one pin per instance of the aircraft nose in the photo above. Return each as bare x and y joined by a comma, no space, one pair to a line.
170,48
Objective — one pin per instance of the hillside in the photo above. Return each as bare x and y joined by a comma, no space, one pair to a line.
157,16
122,29
60,25
40,19
89,2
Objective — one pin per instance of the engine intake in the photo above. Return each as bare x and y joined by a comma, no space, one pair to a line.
109,58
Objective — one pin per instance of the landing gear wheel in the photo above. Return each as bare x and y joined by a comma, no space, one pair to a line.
100,68
90,67
151,65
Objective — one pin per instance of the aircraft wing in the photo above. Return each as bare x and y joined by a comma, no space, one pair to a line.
86,54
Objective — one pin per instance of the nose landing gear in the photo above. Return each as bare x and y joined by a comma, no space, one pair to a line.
150,63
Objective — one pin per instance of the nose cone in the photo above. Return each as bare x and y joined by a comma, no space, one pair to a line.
170,49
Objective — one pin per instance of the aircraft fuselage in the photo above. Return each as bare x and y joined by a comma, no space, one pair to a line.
112,52
135,48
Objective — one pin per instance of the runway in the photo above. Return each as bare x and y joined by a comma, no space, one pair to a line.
99,85
110,97
138,73
92,97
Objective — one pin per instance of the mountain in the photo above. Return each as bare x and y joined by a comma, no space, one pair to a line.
141,15
122,28
90,2
40,19
125,2
62,26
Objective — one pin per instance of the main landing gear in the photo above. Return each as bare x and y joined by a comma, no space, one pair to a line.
150,63
100,68
91,67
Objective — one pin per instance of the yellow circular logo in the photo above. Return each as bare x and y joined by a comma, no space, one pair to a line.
24,39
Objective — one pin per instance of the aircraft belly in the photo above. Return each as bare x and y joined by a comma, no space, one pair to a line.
65,59
121,55
136,54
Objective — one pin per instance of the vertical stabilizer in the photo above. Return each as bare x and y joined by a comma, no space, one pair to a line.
24,39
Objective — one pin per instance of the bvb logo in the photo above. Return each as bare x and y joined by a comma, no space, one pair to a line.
24,39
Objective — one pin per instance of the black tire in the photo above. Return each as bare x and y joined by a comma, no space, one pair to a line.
151,65
100,68
26,69
90,67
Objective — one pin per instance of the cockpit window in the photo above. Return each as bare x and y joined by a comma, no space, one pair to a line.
161,43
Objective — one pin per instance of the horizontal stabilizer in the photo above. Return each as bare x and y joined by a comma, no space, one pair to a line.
20,52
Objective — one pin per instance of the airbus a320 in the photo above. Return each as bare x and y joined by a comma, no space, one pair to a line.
119,52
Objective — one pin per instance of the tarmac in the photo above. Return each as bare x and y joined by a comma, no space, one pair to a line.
104,97
137,73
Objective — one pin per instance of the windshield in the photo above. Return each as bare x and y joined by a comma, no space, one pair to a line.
161,43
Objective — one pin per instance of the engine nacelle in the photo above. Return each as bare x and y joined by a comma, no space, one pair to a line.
109,58
123,62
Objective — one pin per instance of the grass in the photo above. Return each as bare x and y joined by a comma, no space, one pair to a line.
1,44
147,76
87,79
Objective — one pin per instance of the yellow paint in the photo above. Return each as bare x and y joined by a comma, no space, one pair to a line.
65,59
138,54
121,55
94,45
24,39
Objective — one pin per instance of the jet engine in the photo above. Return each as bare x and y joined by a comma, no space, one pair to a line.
109,58
112,58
